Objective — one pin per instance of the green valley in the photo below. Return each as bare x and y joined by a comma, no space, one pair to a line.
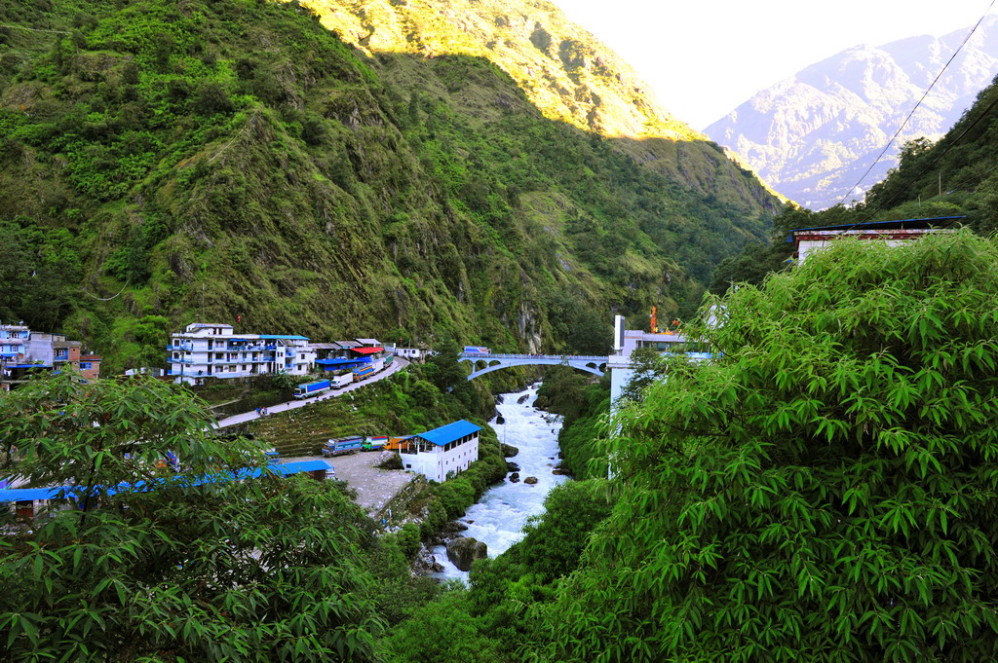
163,162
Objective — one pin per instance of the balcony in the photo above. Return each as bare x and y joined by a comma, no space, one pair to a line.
182,360
180,347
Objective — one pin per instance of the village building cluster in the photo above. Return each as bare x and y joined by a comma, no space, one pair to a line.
23,351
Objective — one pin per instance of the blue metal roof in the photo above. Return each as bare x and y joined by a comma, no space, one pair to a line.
282,336
27,494
339,362
450,432
69,492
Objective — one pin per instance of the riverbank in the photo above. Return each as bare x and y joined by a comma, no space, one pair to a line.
498,518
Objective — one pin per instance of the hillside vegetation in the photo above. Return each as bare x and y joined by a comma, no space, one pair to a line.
163,162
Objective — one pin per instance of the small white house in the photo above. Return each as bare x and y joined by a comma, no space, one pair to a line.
442,452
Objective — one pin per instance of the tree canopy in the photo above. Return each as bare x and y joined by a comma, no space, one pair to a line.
825,490
199,567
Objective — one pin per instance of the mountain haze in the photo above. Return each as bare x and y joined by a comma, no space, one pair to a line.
164,162
812,136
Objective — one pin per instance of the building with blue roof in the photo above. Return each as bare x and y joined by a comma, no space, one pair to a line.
442,452
206,350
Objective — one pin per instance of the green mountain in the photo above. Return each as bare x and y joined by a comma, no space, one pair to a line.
408,171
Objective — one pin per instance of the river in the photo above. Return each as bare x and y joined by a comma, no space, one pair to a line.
498,518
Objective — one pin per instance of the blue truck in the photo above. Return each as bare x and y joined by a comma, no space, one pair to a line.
342,445
312,388
476,350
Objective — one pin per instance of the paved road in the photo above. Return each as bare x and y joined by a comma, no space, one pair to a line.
397,365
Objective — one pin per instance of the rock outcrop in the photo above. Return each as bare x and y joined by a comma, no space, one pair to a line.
464,550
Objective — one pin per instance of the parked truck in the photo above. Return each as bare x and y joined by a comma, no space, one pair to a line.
339,446
312,388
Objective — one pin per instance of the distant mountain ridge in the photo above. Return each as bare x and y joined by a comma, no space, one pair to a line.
812,136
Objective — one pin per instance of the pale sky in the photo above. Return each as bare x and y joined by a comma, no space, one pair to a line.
703,59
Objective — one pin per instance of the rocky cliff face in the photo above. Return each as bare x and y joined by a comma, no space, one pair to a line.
813,136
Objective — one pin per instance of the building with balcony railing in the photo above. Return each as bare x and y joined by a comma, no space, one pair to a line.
23,351
205,351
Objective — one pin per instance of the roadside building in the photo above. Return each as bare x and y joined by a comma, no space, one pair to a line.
214,351
412,354
23,351
442,452
809,240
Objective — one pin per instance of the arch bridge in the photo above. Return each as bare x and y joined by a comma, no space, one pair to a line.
483,363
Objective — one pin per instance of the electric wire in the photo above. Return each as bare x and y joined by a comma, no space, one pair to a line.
918,103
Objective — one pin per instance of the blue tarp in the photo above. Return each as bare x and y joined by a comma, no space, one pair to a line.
450,432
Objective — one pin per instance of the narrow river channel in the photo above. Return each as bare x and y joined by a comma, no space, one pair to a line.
498,518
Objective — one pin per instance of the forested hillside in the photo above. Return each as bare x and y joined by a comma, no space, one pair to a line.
163,162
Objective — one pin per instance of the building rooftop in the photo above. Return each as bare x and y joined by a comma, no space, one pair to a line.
449,433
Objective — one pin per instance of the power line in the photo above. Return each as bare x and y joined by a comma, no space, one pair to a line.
919,103
943,149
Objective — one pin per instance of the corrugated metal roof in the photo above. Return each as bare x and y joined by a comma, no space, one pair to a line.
367,351
926,222
337,362
450,432
282,469
284,337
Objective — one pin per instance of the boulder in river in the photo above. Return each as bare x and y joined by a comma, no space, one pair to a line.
561,469
522,399
508,451
514,477
512,467
464,550
530,480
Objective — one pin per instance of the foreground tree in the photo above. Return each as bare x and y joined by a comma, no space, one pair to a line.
196,565
825,490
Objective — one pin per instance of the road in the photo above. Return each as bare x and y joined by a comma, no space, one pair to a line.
397,365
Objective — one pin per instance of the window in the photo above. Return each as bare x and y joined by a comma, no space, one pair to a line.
85,365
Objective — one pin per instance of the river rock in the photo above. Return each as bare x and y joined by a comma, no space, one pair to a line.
530,480
453,527
500,420
426,562
512,467
522,399
464,550
508,451
560,469
514,477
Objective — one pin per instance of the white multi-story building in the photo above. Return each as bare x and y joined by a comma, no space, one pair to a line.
626,341
442,452
213,350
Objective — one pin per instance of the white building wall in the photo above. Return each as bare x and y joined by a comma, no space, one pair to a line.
436,464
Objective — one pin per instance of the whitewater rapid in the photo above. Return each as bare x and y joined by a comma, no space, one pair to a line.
498,518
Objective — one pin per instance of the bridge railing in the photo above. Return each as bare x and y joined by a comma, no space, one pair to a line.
493,355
